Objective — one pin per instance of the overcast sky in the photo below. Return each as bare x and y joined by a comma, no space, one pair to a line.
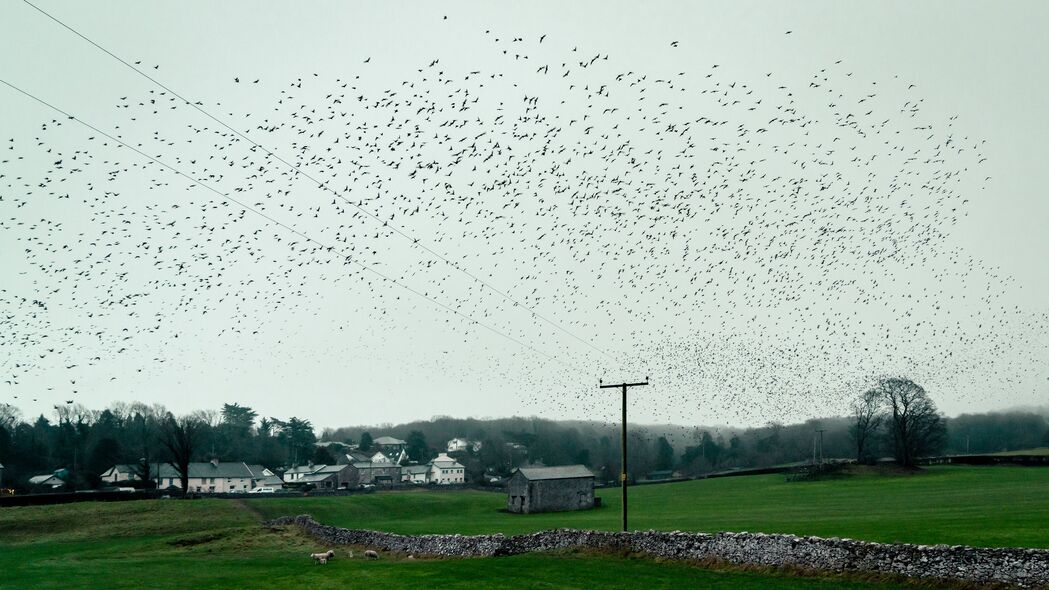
336,349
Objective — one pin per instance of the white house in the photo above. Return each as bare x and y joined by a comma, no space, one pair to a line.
415,473
218,478
446,471
51,481
118,473
298,472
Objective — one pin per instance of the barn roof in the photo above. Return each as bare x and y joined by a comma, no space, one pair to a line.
559,472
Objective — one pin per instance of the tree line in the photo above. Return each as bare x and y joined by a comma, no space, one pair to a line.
895,419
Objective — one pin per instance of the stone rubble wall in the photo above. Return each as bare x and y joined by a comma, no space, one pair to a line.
1025,568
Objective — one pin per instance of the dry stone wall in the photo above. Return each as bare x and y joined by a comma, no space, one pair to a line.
1025,568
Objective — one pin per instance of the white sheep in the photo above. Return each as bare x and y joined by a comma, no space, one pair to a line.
322,558
369,554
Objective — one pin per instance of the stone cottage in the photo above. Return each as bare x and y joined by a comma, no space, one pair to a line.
550,489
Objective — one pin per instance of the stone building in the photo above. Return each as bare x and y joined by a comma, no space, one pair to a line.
369,473
550,489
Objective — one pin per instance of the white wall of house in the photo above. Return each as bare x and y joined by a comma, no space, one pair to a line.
213,485
114,476
447,475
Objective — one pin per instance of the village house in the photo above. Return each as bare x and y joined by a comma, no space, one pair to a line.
389,445
445,470
354,456
297,472
215,477
119,473
550,489
418,474
327,477
49,481
370,473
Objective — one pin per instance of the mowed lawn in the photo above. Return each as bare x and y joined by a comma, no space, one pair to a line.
219,544
1001,506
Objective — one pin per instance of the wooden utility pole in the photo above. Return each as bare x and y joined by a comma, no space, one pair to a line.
622,475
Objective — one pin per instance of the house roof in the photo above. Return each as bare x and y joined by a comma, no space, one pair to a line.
301,469
329,468
358,456
388,440
271,481
415,469
208,469
370,465
314,477
559,472
121,468
44,479
446,464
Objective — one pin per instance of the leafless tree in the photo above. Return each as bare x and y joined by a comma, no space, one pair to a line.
915,426
179,437
866,421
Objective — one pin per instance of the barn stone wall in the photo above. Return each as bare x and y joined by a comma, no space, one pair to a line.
1025,568
552,495
549,495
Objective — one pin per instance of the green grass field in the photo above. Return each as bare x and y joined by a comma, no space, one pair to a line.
983,506
218,543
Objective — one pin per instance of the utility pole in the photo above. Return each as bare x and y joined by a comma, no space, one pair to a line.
622,475
821,431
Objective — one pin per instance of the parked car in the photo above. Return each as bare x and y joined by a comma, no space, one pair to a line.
263,491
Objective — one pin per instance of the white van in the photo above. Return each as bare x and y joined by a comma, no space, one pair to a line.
262,491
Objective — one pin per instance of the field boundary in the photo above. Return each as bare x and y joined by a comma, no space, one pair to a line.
1024,568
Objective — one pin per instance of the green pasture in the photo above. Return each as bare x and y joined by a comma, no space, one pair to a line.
219,543
1002,506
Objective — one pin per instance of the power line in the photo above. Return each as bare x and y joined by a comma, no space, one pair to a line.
323,246
297,170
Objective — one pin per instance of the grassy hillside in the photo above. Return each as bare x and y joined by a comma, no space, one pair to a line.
983,506
218,544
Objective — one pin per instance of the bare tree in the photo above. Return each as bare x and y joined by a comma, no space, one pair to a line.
179,437
866,420
915,426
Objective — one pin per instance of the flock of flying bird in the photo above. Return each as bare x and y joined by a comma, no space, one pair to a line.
760,247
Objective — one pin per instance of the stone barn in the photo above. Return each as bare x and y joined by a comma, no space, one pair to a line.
550,489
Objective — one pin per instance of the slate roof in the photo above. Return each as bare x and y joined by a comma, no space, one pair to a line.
271,481
315,477
370,465
328,468
45,479
559,472
122,468
415,469
208,469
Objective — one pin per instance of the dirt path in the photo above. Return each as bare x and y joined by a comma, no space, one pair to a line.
255,512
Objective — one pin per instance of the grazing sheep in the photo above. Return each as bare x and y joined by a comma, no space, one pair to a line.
322,558
369,554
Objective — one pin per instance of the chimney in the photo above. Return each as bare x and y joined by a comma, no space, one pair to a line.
215,463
